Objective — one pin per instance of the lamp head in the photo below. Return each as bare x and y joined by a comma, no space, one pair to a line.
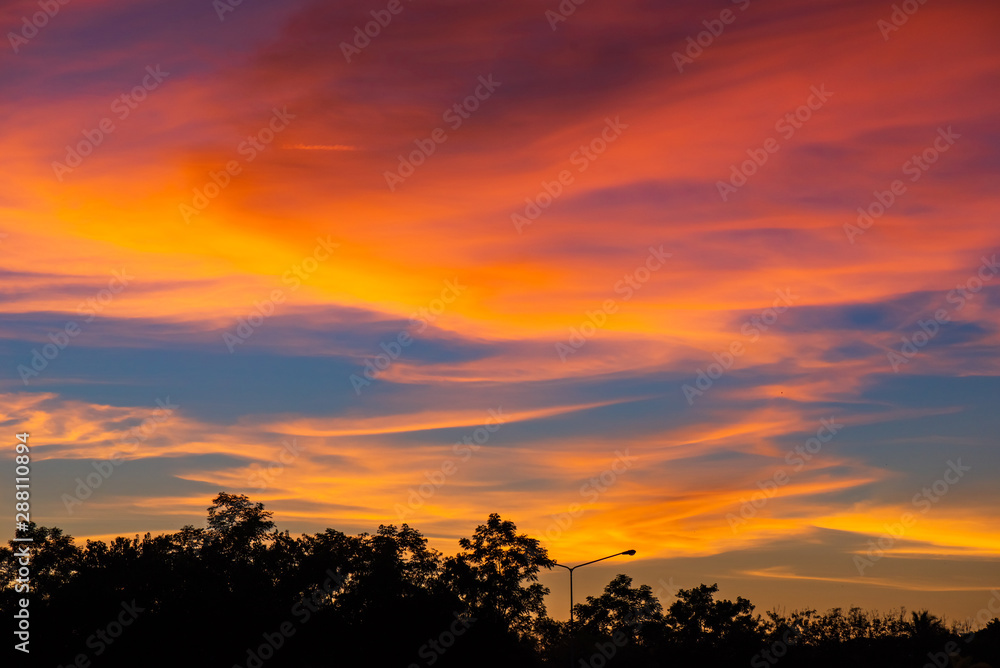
630,553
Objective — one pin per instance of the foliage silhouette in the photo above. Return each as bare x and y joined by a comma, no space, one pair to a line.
239,593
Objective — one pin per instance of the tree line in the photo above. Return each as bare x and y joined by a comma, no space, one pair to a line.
240,594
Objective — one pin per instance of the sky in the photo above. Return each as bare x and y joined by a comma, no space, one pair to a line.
714,281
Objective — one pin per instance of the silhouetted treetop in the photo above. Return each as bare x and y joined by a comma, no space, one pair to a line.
252,596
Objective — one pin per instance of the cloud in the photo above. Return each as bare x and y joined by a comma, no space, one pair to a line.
250,254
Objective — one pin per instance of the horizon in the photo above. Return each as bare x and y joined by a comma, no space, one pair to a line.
669,579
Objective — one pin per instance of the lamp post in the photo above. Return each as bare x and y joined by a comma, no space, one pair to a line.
571,569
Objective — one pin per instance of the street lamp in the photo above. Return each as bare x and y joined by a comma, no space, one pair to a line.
630,553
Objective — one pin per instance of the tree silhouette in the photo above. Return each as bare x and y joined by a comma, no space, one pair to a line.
251,596
621,608
702,621
496,575
238,525
926,626
53,564
702,627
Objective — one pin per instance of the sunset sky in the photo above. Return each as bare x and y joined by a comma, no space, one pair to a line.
602,243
